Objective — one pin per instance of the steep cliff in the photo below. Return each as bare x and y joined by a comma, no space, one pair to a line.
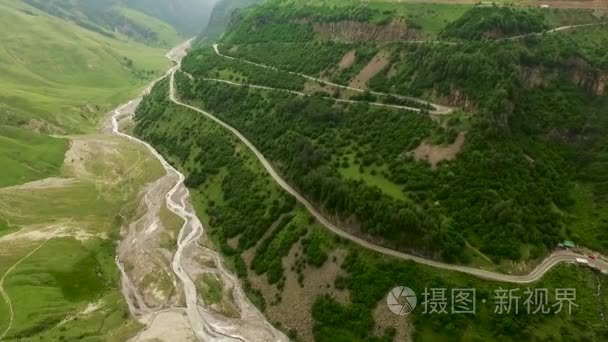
575,69
355,31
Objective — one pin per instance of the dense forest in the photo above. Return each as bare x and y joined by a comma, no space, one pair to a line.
215,66
236,199
494,22
312,140
278,21
512,185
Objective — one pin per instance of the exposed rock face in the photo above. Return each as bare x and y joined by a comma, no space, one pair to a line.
457,97
575,69
354,31
586,76
435,154
534,77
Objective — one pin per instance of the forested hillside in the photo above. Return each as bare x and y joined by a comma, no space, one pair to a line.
515,183
287,260
66,186
494,22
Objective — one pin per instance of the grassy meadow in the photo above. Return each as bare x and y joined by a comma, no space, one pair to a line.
61,76
167,35
57,82
27,156
69,287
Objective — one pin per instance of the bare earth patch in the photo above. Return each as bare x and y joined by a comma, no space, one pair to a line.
85,155
312,87
168,326
437,153
147,262
234,242
294,311
40,233
529,159
41,126
379,62
47,183
392,71
348,60
386,319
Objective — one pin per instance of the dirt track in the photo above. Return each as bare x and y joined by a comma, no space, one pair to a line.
3,292
438,109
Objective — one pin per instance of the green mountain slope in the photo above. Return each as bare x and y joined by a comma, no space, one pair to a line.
531,108
517,166
62,75
27,156
189,17
152,22
59,76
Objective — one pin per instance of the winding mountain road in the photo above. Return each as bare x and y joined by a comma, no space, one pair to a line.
299,93
557,29
439,109
547,264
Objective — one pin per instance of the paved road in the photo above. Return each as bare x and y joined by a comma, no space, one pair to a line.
552,260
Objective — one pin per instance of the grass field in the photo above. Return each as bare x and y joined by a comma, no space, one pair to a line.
58,235
78,289
26,156
69,287
62,76
167,35
58,78
373,179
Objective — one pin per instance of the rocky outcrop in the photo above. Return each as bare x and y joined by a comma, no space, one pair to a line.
355,31
534,77
586,76
575,69
456,97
